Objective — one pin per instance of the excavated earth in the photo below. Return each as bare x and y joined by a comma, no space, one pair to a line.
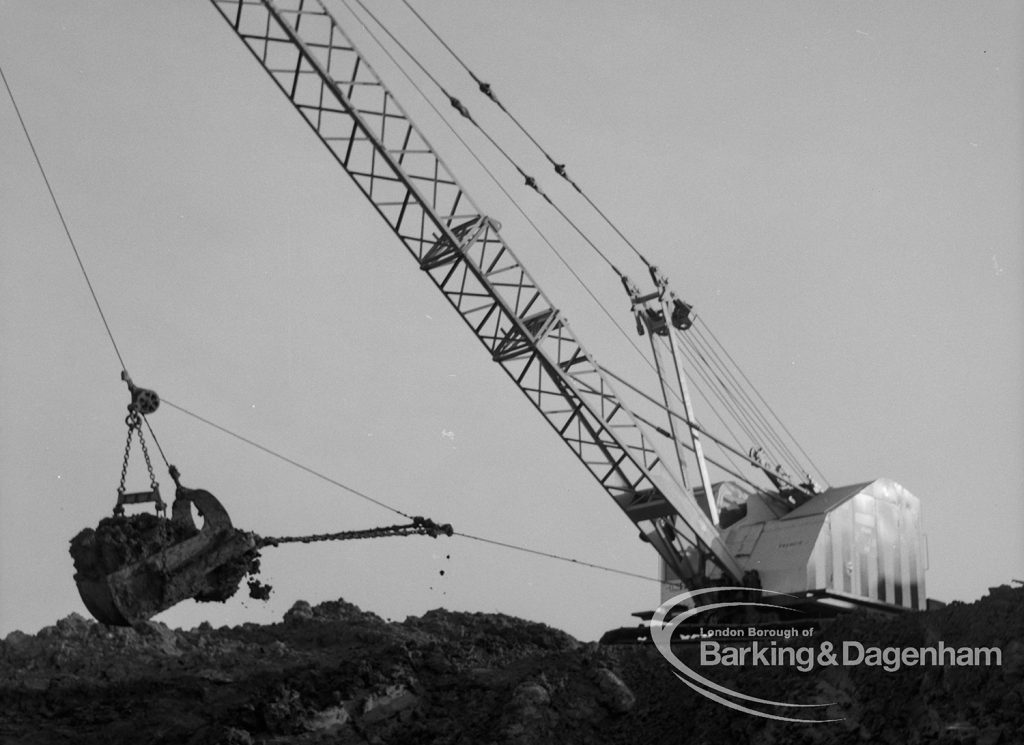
336,674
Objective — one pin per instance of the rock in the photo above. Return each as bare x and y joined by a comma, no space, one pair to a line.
328,720
74,625
528,716
158,636
396,698
36,682
216,676
340,610
235,736
277,649
15,646
1013,660
614,693
284,712
299,612
531,694
991,736
16,638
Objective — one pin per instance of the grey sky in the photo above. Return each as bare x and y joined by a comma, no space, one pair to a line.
836,187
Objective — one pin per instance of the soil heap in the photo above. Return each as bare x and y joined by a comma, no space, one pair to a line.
336,674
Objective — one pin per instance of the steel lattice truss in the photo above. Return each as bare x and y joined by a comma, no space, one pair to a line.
330,83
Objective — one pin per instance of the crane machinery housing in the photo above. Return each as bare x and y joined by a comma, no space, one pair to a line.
837,547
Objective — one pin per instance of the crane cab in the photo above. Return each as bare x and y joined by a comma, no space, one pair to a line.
850,546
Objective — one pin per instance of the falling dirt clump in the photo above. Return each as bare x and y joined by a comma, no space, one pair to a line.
259,590
223,582
334,673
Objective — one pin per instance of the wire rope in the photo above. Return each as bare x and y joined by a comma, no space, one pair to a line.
246,440
765,403
286,459
495,179
63,221
755,420
559,557
380,503
78,255
728,398
514,202
704,375
560,169
731,387
529,180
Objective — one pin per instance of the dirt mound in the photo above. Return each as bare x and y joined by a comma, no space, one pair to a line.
333,673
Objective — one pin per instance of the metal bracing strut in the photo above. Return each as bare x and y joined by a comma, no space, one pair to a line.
316,66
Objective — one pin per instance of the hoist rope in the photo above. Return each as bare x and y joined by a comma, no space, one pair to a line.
78,255
63,221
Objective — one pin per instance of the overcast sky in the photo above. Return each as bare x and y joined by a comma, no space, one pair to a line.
836,187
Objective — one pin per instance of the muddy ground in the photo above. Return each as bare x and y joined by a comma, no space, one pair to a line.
336,674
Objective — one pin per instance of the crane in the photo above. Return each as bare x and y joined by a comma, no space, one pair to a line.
462,251
856,544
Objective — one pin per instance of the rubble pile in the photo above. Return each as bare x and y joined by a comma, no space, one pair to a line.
333,673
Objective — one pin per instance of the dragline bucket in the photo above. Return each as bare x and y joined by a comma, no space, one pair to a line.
132,567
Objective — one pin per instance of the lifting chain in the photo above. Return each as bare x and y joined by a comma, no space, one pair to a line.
143,402
418,526
134,422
